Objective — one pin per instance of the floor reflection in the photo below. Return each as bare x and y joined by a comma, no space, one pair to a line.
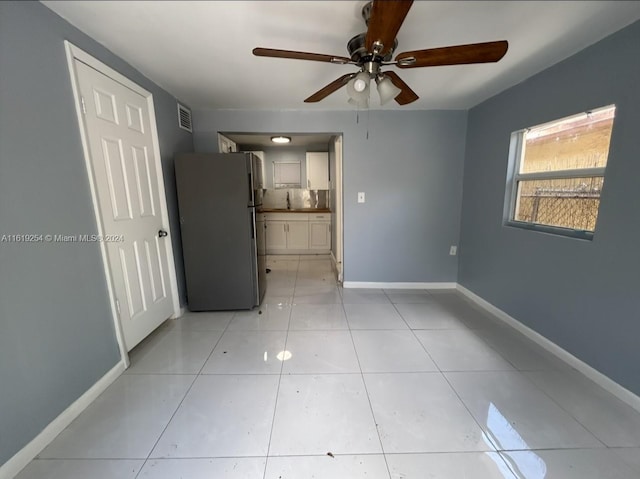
528,465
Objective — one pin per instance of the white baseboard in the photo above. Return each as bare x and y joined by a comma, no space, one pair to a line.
375,285
20,460
25,455
596,376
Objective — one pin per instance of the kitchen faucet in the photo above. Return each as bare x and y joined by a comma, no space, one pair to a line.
288,201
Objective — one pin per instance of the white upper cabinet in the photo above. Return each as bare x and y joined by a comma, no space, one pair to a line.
318,170
226,145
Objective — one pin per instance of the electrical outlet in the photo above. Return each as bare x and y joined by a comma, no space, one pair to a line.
361,197
453,250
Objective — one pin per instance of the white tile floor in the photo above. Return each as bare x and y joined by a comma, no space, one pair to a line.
394,384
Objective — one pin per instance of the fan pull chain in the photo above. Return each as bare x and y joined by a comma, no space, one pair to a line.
367,121
368,111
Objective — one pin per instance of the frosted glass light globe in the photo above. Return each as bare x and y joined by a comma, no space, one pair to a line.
359,85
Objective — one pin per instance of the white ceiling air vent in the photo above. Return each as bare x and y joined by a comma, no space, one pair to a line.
184,118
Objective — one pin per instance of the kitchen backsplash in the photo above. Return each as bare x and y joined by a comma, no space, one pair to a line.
299,198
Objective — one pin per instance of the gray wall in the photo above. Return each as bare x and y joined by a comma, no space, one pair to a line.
582,295
56,333
410,165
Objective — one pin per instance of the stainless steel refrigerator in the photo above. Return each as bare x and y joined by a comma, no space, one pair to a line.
217,198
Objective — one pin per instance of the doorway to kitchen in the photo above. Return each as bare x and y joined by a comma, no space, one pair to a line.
302,210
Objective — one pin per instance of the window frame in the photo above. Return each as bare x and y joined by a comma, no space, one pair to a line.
514,177
279,185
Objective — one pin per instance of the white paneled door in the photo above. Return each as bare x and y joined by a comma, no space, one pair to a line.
119,137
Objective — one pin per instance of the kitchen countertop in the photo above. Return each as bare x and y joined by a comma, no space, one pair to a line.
294,210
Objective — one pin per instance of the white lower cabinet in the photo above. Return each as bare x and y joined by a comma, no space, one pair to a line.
319,233
276,235
297,233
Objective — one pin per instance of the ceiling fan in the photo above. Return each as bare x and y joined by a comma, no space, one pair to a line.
374,49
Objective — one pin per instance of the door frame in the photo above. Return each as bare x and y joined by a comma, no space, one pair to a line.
74,53
339,226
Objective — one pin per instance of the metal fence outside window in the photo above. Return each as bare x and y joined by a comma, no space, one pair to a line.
573,207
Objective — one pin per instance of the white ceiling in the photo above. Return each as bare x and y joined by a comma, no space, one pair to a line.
200,51
297,140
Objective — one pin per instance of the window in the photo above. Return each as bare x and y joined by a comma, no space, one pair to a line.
558,172
286,174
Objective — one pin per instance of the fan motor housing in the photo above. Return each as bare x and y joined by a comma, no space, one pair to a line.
359,54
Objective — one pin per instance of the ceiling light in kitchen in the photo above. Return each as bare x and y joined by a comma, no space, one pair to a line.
280,139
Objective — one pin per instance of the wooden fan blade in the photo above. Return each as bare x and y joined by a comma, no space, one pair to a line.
407,95
384,22
316,57
330,88
457,55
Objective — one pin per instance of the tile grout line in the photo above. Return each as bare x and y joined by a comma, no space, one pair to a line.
413,330
521,372
557,403
366,390
526,377
275,404
415,336
197,375
515,369
502,453
484,434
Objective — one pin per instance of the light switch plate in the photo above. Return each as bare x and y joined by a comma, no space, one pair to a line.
453,250
361,197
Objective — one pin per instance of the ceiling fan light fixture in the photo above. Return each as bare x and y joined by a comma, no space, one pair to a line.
386,89
375,48
358,89
362,104
281,140
359,85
